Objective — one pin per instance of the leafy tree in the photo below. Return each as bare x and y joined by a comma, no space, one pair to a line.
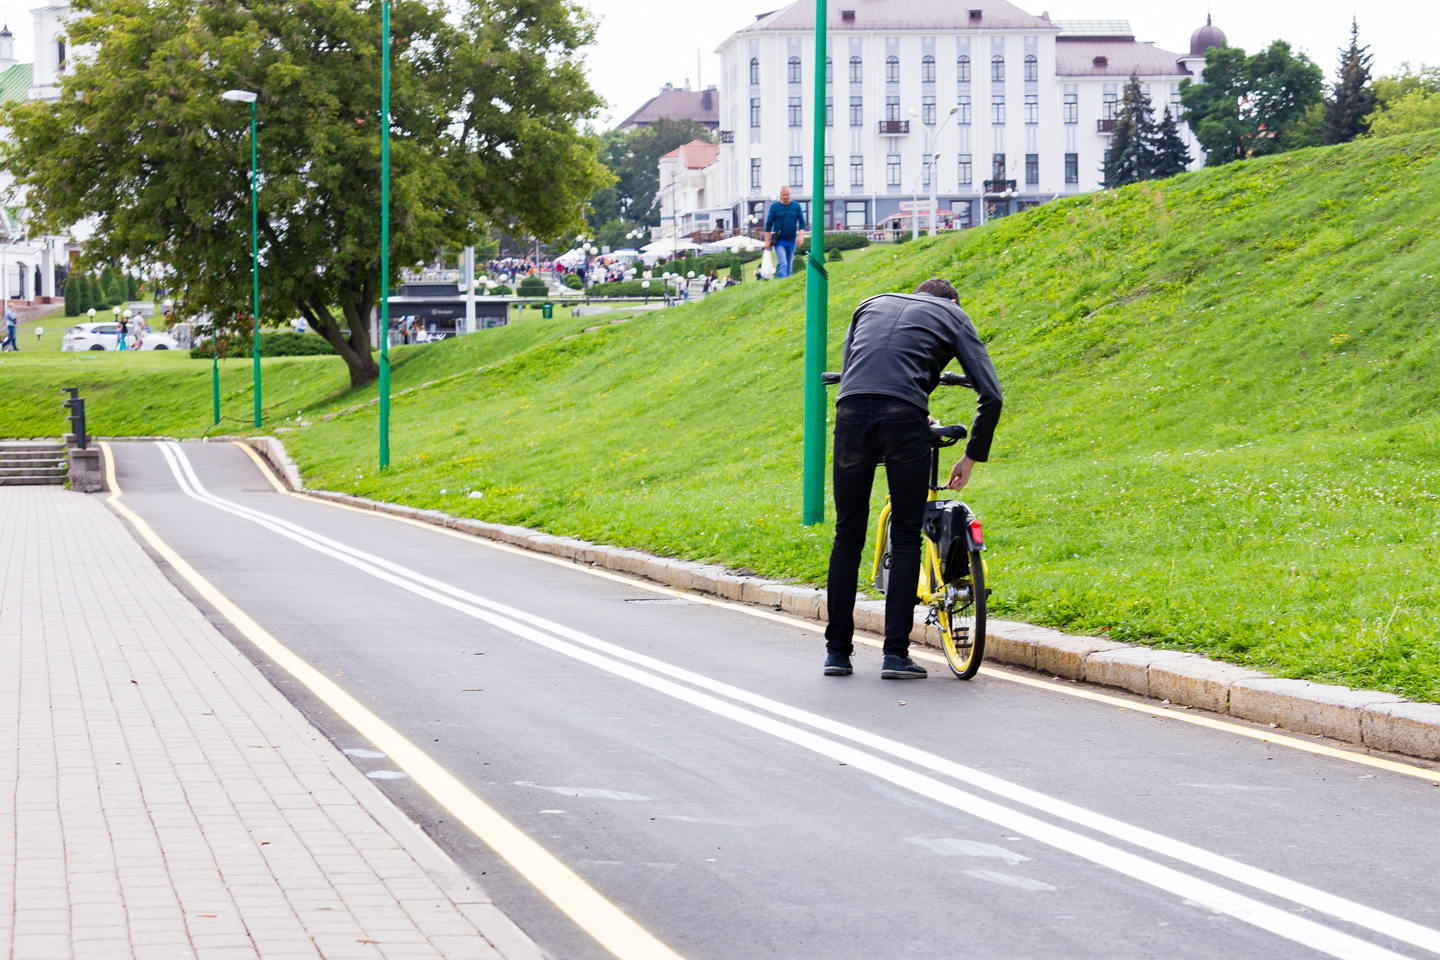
1392,87
633,156
1411,113
487,96
1171,156
72,297
1244,104
1350,105
1130,157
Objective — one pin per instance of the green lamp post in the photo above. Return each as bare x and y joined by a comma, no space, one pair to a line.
247,96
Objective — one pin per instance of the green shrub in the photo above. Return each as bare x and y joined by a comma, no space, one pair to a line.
735,272
533,287
836,241
501,290
834,256
273,343
574,282
627,288
72,297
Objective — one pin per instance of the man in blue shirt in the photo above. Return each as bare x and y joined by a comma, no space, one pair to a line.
784,225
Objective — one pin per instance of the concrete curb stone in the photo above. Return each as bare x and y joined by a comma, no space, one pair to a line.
1382,721
1306,707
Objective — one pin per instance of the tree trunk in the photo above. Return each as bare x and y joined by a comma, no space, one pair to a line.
354,350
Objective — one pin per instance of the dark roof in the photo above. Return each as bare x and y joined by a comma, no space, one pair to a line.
1121,58
1206,37
702,106
902,15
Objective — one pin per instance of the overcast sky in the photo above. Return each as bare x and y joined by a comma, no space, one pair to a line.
642,46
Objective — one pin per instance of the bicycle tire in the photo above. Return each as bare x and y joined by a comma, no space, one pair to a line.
962,624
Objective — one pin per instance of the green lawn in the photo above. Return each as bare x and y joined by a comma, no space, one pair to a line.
1220,431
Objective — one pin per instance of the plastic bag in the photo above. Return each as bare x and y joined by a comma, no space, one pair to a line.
767,264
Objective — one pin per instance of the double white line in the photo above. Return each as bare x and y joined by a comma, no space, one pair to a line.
878,757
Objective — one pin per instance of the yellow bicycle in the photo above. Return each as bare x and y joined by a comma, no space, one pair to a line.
952,562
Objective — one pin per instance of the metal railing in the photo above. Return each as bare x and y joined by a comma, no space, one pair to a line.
893,127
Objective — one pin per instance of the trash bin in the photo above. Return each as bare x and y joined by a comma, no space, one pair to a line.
547,310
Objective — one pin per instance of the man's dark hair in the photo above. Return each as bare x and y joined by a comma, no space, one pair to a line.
938,287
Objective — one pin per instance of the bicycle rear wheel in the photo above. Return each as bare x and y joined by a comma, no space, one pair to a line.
962,620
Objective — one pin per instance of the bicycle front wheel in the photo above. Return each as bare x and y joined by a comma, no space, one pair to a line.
962,620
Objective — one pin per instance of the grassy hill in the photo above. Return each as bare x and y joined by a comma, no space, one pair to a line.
1220,430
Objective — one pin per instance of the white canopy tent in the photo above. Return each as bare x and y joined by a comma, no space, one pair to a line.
664,248
572,257
733,244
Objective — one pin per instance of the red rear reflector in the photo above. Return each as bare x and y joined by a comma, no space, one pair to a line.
976,534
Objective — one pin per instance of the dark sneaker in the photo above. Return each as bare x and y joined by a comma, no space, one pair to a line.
901,668
837,665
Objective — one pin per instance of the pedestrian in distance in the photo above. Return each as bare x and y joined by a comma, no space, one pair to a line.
785,226
10,323
895,349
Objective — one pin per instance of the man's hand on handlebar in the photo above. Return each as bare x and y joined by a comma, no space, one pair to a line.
960,473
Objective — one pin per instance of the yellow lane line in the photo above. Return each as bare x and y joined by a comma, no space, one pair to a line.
997,673
594,914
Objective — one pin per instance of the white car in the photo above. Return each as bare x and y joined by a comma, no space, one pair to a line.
101,336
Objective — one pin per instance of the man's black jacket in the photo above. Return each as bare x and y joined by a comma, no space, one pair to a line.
899,342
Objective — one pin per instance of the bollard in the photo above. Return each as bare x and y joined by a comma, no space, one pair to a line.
76,406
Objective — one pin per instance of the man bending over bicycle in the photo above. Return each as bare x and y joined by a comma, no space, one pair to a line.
897,345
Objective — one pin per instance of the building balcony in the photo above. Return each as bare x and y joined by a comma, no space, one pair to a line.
1106,126
997,187
891,128
727,136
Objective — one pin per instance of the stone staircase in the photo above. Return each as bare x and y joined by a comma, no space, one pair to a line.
25,462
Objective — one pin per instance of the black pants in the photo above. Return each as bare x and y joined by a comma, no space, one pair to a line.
869,428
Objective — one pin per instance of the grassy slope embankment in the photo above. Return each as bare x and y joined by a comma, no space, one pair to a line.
1220,432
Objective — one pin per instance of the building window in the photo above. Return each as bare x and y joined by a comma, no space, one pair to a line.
829,70
962,115
966,169
857,112
927,69
1072,168
1072,108
857,72
829,171
1032,108
962,69
892,69
1032,68
857,170
925,172
794,112
792,70
927,111
892,108
755,182
1032,168
997,109
60,54
829,111
1109,108
892,170
754,72
997,69
997,166
797,171
754,112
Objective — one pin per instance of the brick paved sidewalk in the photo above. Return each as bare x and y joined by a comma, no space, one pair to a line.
160,799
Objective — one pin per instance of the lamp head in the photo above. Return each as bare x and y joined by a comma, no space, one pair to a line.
91,313
115,310
238,96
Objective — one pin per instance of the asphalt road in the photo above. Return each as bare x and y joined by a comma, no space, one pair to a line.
690,763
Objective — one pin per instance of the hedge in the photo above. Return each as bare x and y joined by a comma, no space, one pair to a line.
276,343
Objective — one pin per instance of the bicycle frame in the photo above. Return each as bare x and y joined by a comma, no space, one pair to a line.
931,586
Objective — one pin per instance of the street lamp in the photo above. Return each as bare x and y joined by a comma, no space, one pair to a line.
248,96
928,163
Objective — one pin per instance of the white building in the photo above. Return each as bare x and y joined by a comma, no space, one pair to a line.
27,263
686,184
1033,103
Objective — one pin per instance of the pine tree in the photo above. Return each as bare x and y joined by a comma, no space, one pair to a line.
1170,155
110,285
1349,106
735,273
83,303
132,287
97,296
1130,157
72,297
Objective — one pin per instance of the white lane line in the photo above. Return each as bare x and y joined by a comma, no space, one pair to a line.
523,624
1311,898
582,903
1190,718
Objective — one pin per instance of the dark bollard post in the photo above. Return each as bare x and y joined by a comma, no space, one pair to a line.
76,406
